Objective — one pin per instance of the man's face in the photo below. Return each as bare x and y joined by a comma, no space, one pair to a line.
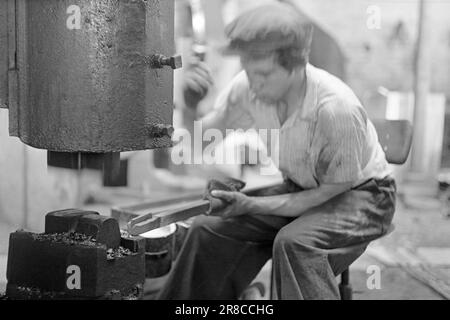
269,81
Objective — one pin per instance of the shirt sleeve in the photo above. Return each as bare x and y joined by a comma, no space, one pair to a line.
344,131
231,106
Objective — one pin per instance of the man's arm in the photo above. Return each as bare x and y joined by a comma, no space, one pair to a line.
286,205
212,120
295,204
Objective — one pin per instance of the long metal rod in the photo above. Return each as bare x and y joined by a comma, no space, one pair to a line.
166,212
155,221
422,78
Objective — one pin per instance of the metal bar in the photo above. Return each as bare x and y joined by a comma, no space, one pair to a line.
151,222
165,212
126,214
159,203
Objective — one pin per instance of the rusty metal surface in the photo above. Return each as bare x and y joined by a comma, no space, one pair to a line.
3,53
85,90
16,80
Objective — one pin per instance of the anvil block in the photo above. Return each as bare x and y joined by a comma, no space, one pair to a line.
104,230
73,270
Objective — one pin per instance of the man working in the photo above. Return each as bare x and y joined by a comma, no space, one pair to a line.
328,149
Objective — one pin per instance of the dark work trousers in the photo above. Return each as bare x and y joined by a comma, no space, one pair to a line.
221,257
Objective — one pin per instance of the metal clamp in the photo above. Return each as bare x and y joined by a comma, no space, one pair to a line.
158,61
160,131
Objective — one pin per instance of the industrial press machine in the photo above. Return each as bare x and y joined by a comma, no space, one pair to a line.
85,80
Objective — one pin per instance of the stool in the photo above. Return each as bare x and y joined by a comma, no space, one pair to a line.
345,288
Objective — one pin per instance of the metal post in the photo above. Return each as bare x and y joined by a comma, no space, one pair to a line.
421,86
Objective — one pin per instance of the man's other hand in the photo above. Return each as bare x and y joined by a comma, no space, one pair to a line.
196,83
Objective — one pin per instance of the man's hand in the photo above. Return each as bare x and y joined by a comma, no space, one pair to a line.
238,203
197,81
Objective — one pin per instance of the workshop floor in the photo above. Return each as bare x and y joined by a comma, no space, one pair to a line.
414,261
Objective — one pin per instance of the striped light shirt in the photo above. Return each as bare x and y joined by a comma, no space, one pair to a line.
327,140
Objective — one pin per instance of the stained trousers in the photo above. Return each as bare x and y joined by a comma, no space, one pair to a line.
220,258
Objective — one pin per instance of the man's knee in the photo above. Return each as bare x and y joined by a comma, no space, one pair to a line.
198,233
287,240
283,241
203,221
